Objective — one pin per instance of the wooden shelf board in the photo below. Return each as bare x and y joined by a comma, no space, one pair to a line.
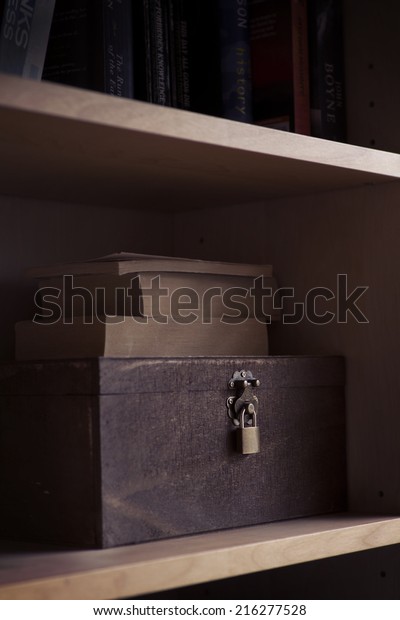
61,143
140,569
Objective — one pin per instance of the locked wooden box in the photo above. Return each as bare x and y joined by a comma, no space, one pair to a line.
105,452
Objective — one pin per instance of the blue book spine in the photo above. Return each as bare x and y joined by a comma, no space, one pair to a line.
235,60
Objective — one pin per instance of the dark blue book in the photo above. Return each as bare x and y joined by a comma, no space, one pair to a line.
24,35
327,96
235,60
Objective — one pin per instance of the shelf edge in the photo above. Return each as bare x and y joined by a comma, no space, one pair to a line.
157,566
65,102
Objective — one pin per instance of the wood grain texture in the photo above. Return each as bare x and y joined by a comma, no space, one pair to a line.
156,450
140,569
103,150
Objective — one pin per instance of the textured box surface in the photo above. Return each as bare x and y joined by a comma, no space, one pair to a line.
105,452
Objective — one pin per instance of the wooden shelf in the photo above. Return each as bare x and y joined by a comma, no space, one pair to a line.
140,569
61,143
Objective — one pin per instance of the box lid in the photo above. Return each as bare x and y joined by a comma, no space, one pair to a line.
143,375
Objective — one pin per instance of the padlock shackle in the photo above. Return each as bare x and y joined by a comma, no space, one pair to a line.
252,413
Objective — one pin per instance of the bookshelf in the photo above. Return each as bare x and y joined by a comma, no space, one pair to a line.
83,174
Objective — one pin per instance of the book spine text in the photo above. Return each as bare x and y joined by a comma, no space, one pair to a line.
24,36
235,60
327,97
118,48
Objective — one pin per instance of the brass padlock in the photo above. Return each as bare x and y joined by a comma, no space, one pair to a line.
248,437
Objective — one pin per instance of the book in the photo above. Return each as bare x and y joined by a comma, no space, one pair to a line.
221,59
117,76
91,46
235,60
130,337
279,61
180,53
327,96
157,294
121,263
153,53
24,35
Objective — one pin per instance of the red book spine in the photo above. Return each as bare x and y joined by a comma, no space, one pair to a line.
279,58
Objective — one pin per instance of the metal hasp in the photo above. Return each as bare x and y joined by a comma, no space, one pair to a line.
242,410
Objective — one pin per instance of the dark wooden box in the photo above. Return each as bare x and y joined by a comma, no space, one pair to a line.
106,452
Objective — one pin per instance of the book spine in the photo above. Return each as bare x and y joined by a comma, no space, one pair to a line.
147,43
327,102
219,59
68,53
179,13
235,60
118,48
139,52
91,46
156,24
271,71
24,35
204,56
301,84
279,56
